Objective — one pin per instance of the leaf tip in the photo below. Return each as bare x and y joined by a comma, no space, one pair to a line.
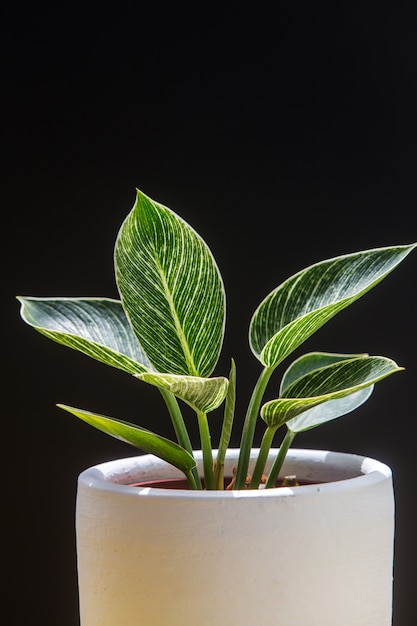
66,407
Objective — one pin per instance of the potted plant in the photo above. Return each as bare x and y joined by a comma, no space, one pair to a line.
271,535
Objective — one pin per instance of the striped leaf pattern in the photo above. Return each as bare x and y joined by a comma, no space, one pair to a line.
310,362
303,303
332,382
203,394
138,437
171,290
97,327
331,409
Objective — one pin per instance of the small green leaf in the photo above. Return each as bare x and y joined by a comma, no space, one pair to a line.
203,394
328,383
306,301
329,410
312,361
171,289
138,437
98,327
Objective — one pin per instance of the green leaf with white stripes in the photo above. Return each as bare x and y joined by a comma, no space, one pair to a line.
306,301
138,437
331,382
331,409
203,394
312,361
171,290
98,327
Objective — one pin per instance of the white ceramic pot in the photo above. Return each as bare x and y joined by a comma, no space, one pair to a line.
315,555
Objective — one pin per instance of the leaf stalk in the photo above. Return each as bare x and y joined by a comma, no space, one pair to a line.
262,457
180,428
248,431
228,416
279,460
206,449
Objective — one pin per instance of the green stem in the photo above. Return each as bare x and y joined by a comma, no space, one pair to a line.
277,465
229,411
180,428
219,477
206,449
249,427
262,457
191,480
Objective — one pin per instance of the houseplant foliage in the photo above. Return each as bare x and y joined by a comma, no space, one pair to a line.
167,331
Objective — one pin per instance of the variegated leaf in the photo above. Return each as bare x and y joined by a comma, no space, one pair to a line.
203,394
139,437
98,327
331,409
312,361
328,383
303,303
171,290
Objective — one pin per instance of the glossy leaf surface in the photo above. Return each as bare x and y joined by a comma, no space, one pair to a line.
171,290
329,383
331,409
306,301
138,437
98,327
203,394
312,361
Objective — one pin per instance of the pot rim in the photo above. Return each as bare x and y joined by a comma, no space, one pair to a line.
345,472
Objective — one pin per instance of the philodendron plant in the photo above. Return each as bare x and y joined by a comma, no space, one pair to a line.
167,330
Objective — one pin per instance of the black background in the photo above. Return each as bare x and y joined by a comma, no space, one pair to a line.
284,133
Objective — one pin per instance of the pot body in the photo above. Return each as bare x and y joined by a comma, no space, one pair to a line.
315,555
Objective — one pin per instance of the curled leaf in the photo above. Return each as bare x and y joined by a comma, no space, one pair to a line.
332,382
203,394
312,361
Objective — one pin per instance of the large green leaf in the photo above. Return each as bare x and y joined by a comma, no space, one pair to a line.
139,437
97,327
171,290
203,394
332,382
303,303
